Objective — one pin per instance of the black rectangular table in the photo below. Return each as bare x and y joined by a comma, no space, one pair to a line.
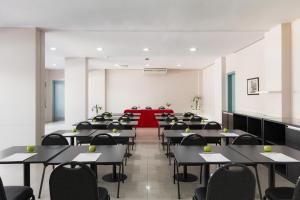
189,156
44,154
75,135
104,124
111,155
252,152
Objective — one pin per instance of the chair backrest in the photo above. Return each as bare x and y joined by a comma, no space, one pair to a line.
246,139
296,194
134,107
84,125
54,139
99,118
77,182
124,118
164,114
233,181
179,126
148,108
115,125
130,114
212,125
161,108
106,115
103,139
188,114
193,140
196,118
171,118
2,191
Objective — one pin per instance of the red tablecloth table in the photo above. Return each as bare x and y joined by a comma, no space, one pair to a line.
147,118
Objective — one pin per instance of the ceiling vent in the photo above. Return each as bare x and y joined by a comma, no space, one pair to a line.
155,70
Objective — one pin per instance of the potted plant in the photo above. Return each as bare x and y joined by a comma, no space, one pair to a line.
96,108
196,102
168,105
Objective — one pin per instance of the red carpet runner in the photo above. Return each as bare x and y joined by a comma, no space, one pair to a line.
147,118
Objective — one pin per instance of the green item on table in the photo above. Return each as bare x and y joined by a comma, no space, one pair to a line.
207,148
74,130
267,148
225,130
187,130
115,130
30,148
92,148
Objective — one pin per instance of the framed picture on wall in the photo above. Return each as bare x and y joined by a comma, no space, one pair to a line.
253,86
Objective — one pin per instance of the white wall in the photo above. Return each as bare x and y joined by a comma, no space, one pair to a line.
76,90
126,88
296,69
50,76
96,90
21,86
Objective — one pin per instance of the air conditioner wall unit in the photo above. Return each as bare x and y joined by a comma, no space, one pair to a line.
152,71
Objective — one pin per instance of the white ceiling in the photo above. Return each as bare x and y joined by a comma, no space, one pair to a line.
169,27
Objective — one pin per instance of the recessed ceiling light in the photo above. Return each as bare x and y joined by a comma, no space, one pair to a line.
146,49
53,48
117,65
178,65
99,49
193,49
147,65
54,65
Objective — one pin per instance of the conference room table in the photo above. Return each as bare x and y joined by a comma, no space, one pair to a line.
40,155
74,135
110,155
116,117
104,124
243,154
167,125
179,117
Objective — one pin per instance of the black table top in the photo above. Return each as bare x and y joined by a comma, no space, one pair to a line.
189,123
203,133
78,133
111,154
176,114
123,133
252,152
44,153
131,123
120,114
189,155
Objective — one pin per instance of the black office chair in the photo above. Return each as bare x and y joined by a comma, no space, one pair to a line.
51,139
134,107
196,118
233,181
129,114
106,115
248,139
188,114
283,193
115,125
171,118
77,183
213,126
99,118
84,126
148,108
193,140
124,118
161,108
179,126
103,139
15,192
164,114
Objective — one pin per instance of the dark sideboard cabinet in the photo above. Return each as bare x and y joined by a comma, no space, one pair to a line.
272,131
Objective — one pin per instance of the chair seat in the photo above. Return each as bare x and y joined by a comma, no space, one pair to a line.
103,193
280,193
200,194
18,192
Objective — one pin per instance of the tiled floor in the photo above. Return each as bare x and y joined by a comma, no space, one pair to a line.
148,171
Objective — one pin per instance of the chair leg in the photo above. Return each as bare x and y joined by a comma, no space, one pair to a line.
42,181
258,183
200,174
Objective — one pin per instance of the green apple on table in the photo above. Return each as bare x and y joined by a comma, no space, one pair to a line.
187,130
30,148
225,130
207,148
267,148
115,130
92,148
74,130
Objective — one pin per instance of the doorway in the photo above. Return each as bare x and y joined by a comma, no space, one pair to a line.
58,100
231,92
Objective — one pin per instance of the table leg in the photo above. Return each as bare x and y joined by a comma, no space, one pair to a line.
94,169
206,174
227,141
72,141
114,172
26,174
178,187
271,172
185,172
163,141
119,178
158,132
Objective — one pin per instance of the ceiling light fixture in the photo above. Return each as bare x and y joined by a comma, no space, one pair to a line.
99,49
146,49
53,48
193,49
